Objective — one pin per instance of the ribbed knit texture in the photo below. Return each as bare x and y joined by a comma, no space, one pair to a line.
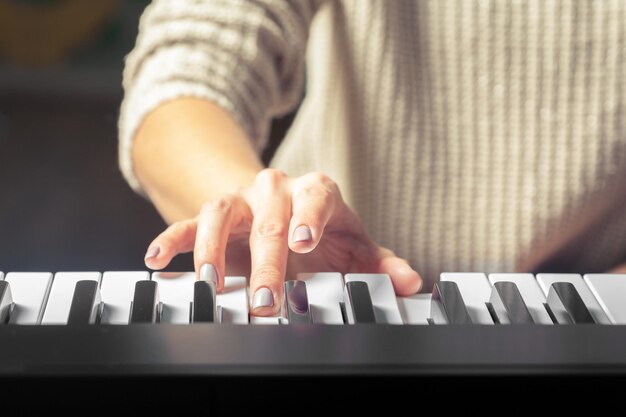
468,135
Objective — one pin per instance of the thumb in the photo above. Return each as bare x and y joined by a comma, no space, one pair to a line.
406,281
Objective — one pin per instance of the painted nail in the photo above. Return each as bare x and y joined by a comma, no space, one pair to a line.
208,273
263,298
302,234
153,252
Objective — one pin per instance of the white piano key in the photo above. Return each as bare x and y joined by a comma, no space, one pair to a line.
610,292
383,296
1,276
233,300
117,289
61,294
325,293
475,290
30,291
546,280
532,294
415,309
176,292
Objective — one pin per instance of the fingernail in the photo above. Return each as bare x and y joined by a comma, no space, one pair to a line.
263,298
302,234
153,252
208,273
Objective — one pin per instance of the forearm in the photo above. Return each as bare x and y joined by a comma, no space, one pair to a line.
188,151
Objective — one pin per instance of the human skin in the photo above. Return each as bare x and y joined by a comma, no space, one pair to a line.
199,169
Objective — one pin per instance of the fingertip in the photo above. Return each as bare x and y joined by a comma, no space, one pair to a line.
302,239
152,252
406,284
150,264
413,283
157,257
210,273
155,264
406,281
151,258
265,302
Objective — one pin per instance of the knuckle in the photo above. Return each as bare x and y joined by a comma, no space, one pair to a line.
321,179
270,229
208,250
222,204
271,177
266,274
322,182
314,191
177,228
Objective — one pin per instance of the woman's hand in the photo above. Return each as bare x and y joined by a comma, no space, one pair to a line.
282,226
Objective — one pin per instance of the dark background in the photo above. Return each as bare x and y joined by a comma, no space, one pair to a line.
64,204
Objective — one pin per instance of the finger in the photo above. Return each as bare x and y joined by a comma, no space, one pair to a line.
313,201
217,219
177,238
406,281
269,242
370,257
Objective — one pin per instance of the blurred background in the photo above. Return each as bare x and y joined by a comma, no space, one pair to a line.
63,202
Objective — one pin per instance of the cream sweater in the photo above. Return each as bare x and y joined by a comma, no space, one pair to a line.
468,135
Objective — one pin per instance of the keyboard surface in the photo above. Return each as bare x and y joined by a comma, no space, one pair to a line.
562,324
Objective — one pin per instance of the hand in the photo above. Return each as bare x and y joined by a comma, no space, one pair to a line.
285,226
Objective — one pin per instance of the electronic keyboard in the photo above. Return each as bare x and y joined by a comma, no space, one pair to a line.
157,340
164,323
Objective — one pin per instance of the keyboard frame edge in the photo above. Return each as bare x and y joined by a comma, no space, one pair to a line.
364,349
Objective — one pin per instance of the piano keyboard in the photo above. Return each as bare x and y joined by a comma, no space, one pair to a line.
79,331
134,297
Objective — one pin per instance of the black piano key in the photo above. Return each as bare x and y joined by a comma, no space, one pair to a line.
566,304
145,304
508,304
204,309
6,302
86,303
296,304
359,307
447,305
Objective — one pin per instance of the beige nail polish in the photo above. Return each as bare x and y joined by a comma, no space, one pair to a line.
302,234
152,252
263,298
208,273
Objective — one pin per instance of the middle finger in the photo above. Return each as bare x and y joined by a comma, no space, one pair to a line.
269,249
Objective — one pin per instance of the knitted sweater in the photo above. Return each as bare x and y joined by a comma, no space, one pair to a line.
481,136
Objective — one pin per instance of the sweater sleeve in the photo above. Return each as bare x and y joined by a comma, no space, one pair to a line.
247,56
